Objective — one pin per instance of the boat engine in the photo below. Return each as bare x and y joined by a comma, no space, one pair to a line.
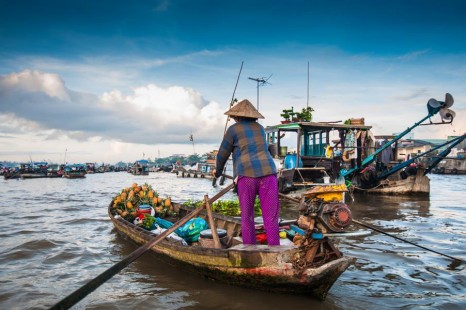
321,211
335,216
325,217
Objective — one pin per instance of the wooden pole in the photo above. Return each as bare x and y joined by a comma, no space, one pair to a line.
212,225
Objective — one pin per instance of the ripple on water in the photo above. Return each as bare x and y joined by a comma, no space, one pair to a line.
62,238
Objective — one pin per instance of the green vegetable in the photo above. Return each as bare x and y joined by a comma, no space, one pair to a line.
148,221
227,207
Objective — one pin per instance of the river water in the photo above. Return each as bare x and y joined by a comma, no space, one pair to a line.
55,236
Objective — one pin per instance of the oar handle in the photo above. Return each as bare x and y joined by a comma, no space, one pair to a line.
89,287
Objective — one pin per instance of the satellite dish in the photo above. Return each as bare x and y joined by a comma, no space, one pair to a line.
447,114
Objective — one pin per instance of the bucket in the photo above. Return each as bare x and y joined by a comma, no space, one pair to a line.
145,209
326,180
206,239
290,161
283,150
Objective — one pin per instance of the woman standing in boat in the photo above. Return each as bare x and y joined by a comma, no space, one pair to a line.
255,170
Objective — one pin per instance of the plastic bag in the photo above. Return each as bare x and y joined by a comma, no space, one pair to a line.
191,230
173,236
163,223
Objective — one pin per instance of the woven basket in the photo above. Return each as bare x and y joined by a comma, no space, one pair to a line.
357,121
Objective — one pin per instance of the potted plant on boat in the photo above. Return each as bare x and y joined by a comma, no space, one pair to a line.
305,115
287,115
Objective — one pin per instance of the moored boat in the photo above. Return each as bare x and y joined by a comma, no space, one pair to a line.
310,268
140,167
327,152
77,171
55,171
452,165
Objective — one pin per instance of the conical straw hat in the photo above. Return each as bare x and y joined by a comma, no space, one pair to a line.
244,108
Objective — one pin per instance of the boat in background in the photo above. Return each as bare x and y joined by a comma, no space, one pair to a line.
76,171
55,171
33,170
452,164
90,168
204,168
140,167
329,152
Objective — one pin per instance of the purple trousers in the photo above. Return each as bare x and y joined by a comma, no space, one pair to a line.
267,189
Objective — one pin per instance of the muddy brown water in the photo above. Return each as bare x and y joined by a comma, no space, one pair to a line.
55,236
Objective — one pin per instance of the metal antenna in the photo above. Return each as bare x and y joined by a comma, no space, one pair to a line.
307,102
260,82
191,138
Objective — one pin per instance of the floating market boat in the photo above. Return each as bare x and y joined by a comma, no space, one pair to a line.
77,171
140,167
204,168
310,268
55,171
452,165
33,170
328,151
30,170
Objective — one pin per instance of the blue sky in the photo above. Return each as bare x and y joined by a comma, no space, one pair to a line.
111,80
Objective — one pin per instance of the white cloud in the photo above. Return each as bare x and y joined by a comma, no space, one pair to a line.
39,104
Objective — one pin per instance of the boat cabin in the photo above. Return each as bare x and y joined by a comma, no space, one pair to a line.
311,153
140,167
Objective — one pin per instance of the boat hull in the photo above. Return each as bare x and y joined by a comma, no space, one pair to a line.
254,266
33,175
74,175
418,184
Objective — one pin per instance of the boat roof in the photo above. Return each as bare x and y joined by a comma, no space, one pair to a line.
315,126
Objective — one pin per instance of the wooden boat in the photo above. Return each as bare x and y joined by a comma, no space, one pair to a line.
452,165
55,171
204,168
262,267
330,152
140,167
11,174
75,171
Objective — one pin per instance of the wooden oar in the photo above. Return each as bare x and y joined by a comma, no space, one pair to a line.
385,233
404,240
89,287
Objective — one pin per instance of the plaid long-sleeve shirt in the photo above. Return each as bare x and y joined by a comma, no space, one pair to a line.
251,157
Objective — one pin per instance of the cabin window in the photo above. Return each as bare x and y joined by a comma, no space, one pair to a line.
313,143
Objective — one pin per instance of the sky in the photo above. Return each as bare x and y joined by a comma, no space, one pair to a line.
108,81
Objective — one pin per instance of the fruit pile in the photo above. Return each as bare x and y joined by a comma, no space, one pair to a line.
127,203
